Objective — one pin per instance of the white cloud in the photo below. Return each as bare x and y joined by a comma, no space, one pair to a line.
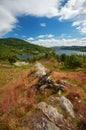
45,36
24,36
60,42
41,36
80,25
72,9
52,41
43,24
11,9
50,36
30,39
15,34
7,21
75,10
63,36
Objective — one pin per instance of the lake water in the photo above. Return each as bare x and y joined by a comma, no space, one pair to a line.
69,52
59,52
25,56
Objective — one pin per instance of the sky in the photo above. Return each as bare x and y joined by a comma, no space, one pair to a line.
44,22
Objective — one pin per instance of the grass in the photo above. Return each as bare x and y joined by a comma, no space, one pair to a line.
9,73
39,98
50,63
20,112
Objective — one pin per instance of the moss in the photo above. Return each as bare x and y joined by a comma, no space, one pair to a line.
78,123
39,98
4,127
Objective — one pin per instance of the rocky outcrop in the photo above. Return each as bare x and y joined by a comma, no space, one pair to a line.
53,115
40,69
43,124
64,82
22,63
51,112
46,82
56,113
66,105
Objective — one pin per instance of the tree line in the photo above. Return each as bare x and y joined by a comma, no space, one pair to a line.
69,61
72,61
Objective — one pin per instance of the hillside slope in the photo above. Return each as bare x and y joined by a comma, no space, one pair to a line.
14,46
41,100
76,48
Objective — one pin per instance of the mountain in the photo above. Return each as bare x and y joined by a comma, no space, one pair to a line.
76,48
20,46
15,46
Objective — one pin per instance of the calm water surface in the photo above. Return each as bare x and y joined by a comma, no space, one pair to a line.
59,52
25,56
69,52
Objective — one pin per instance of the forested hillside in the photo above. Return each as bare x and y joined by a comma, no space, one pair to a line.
13,47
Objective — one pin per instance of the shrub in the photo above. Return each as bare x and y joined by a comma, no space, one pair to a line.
12,59
74,61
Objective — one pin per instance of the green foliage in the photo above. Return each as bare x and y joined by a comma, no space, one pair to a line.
4,127
12,59
76,48
72,61
63,58
16,47
11,48
39,98
20,46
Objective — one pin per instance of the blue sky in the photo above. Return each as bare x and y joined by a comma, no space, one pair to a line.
30,26
47,22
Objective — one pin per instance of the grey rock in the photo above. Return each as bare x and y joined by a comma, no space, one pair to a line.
40,69
64,82
41,123
43,87
44,124
66,105
59,87
51,113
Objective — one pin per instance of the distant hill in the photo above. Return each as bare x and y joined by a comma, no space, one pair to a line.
20,46
77,48
15,46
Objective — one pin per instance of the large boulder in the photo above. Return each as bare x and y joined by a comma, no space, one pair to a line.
43,124
66,105
51,113
22,63
40,69
38,121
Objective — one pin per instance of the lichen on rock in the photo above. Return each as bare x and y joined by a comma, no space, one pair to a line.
41,70
66,105
51,112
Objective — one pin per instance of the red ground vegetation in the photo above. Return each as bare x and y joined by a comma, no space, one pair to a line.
72,76
22,92
75,92
15,91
